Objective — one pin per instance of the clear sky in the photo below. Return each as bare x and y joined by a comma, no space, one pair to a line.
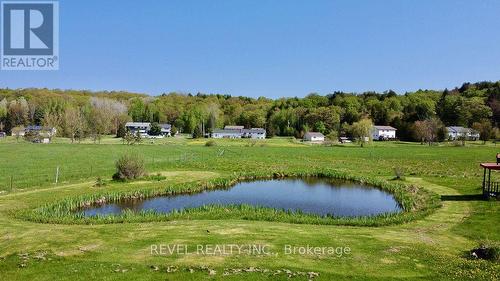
271,48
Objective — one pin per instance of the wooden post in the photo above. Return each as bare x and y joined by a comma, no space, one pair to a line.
489,181
11,181
57,174
484,180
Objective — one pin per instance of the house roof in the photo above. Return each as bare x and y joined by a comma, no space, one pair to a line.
165,126
230,127
137,124
38,128
254,130
385,128
240,131
458,129
225,131
314,134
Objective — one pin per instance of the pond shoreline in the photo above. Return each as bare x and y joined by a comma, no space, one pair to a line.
415,203
308,195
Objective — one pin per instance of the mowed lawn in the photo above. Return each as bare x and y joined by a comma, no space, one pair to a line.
431,248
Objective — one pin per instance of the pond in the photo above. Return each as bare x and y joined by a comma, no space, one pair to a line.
318,196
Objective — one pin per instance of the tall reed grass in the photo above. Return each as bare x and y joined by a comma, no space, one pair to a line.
416,203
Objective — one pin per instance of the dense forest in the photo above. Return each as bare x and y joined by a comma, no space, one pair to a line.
80,114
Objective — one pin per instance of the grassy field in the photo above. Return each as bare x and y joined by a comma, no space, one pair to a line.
433,247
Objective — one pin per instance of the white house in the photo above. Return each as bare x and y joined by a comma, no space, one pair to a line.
383,132
138,127
227,134
457,132
45,131
314,137
144,127
238,132
254,133
166,130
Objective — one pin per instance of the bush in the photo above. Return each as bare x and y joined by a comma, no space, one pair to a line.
155,129
210,143
131,138
32,136
197,133
99,182
129,166
399,173
333,136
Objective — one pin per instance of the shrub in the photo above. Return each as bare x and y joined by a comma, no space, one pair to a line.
399,173
333,136
129,166
173,131
131,138
32,136
197,133
155,129
210,143
99,182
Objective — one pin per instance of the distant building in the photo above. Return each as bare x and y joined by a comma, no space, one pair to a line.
144,127
457,132
39,134
42,130
166,130
254,133
238,132
226,134
383,132
314,137
234,127
138,127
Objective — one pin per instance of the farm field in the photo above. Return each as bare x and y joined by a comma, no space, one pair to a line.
434,247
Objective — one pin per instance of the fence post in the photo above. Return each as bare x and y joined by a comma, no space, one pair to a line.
11,180
57,174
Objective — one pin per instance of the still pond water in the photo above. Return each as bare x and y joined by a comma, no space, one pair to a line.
309,195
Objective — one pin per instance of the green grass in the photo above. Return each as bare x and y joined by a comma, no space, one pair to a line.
430,247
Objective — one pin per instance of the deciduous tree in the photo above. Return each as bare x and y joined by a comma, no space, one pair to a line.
362,130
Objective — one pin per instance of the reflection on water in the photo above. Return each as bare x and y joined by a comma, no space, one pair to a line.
309,195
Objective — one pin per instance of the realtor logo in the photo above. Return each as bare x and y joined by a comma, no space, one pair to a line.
30,35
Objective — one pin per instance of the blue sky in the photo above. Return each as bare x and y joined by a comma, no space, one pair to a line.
271,48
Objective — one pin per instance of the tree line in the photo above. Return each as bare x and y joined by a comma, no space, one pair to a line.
418,116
